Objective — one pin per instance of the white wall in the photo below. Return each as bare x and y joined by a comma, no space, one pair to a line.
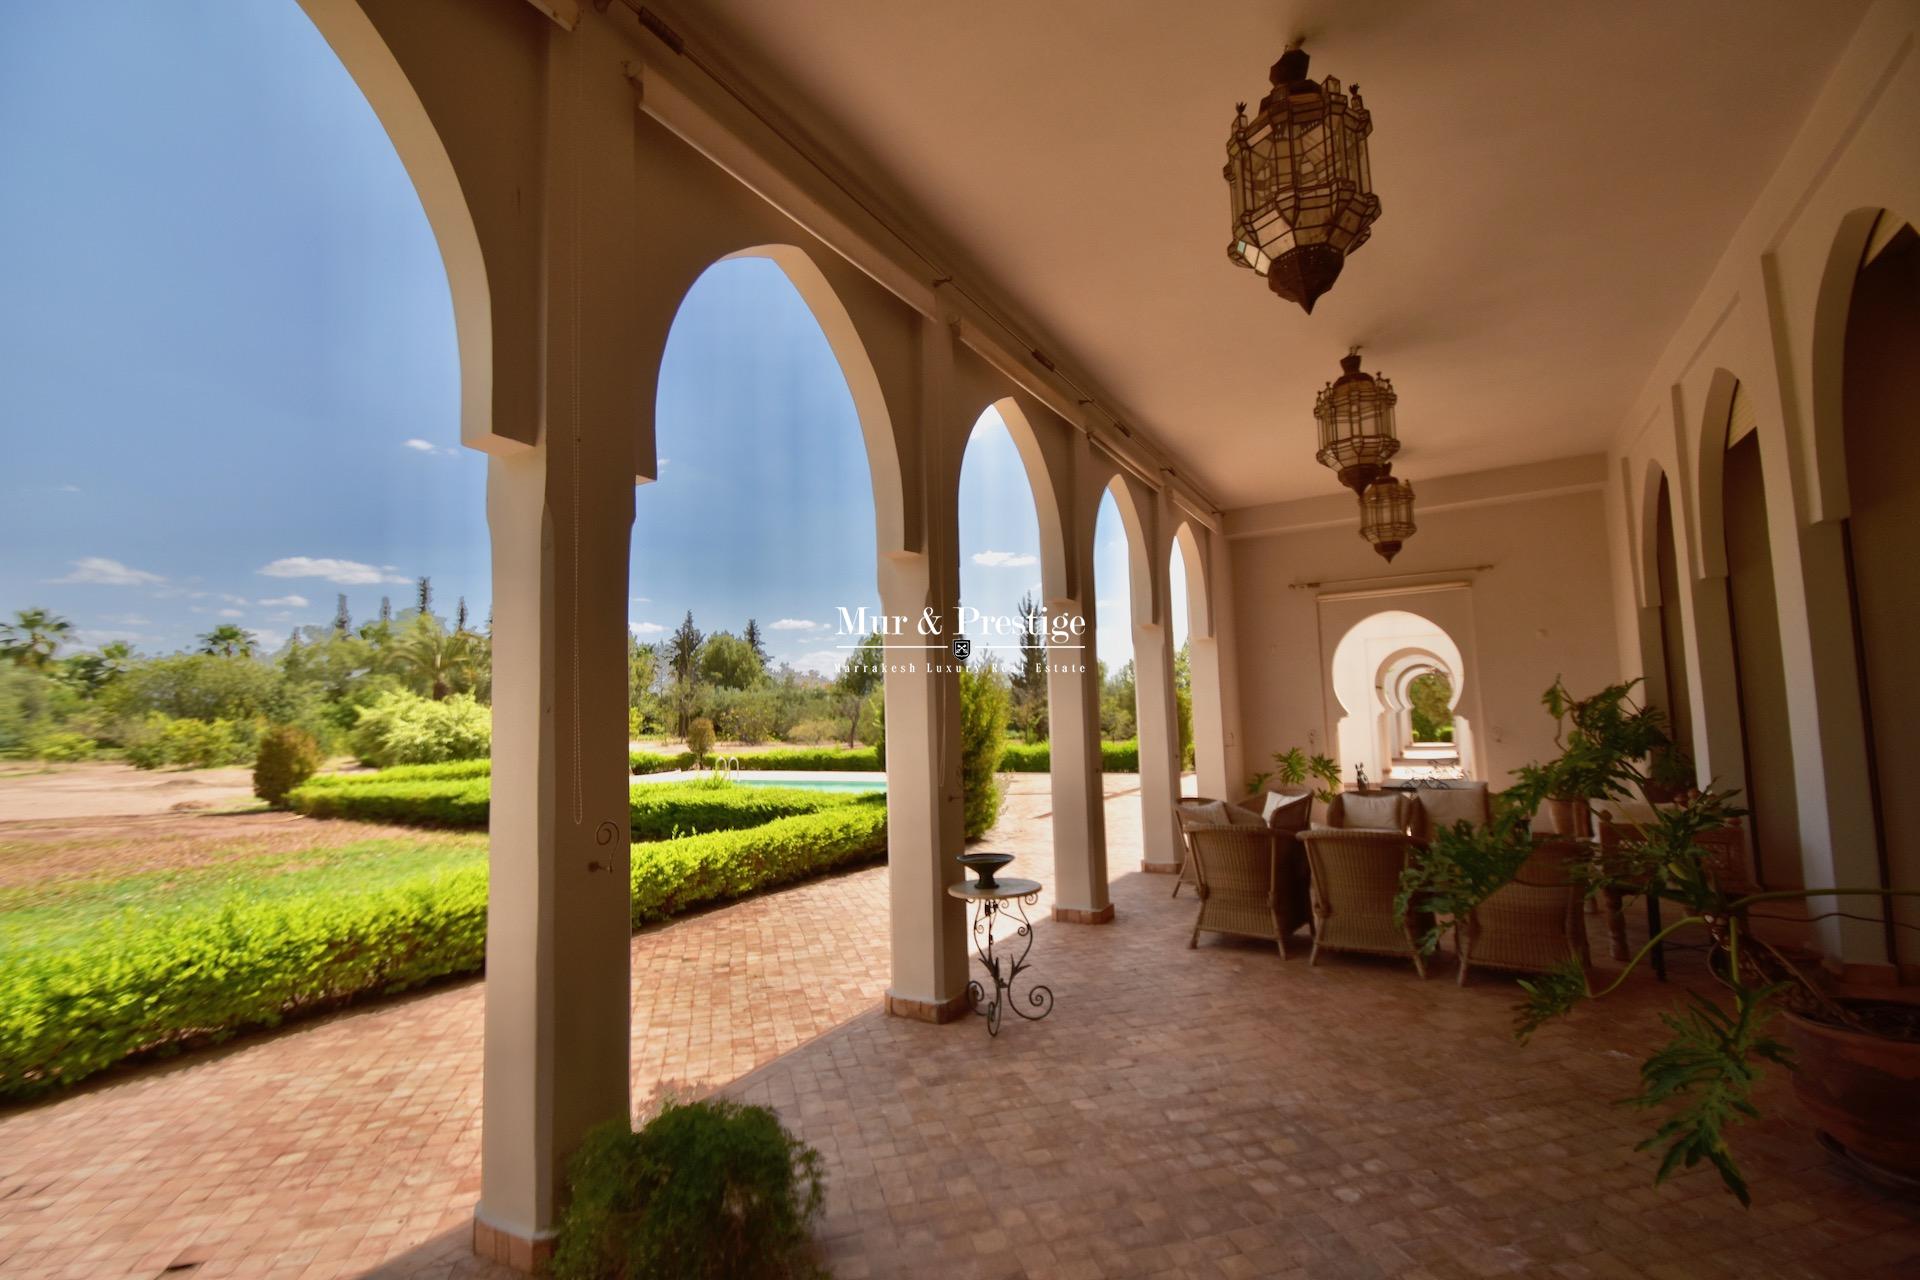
1531,545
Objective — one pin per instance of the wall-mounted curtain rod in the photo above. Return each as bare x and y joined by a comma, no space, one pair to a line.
939,276
1387,577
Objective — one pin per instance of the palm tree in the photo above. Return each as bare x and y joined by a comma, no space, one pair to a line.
32,638
227,641
438,657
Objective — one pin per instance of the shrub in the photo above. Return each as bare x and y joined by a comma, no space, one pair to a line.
1120,757
704,1189
407,773
1026,757
160,741
287,757
194,686
157,979
449,796
657,762
672,875
983,737
816,731
700,736
818,759
405,728
62,746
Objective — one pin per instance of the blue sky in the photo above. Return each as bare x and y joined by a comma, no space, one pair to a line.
229,386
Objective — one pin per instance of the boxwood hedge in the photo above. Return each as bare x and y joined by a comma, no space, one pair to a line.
160,979
834,759
658,810
1037,757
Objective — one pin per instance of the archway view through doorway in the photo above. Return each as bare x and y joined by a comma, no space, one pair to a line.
1398,679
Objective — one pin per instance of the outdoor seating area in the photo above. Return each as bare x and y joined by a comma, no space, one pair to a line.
1260,872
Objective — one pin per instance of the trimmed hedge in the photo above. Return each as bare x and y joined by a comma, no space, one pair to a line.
158,980
1037,757
673,875
833,759
658,810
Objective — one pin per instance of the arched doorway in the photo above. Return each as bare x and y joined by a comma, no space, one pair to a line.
1733,495
1001,577
754,419
1137,698
1880,385
1375,671
1190,604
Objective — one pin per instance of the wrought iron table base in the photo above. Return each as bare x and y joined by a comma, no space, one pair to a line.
1005,969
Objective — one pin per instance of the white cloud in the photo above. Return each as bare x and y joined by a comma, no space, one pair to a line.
345,573
646,628
429,447
233,599
823,662
797,624
1004,559
286,602
126,619
103,572
231,613
639,600
67,488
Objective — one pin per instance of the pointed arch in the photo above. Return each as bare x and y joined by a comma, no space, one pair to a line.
361,49
1046,495
856,366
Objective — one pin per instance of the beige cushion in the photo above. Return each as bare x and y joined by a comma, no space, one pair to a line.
1439,807
1240,817
1211,814
1288,813
1359,812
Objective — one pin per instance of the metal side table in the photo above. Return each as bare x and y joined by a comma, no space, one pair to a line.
1005,898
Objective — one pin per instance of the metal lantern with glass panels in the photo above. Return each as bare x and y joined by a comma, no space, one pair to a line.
1302,191
1386,515
1355,414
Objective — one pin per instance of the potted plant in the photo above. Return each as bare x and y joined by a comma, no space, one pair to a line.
1670,774
1856,1063
1294,766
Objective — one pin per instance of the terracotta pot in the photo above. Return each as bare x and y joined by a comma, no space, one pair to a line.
1570,818
1859,1089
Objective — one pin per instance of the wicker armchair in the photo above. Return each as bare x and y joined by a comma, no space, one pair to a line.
1532,923
1197,811
1356,879
1251,883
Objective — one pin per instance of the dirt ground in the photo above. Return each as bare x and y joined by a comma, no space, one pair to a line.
76,821
30,790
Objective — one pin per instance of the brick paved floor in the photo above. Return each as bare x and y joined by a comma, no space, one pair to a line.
1215,1112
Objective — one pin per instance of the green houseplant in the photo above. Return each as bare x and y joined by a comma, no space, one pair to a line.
1294,766
1703,1079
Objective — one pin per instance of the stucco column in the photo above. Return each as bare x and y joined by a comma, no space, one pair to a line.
1209,735
559,924
925,816
1159,748
1079,814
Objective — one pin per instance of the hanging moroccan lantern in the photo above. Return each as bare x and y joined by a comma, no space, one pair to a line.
1355,413
1386,515
1302,191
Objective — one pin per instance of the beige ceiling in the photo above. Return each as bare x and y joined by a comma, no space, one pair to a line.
1557,179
